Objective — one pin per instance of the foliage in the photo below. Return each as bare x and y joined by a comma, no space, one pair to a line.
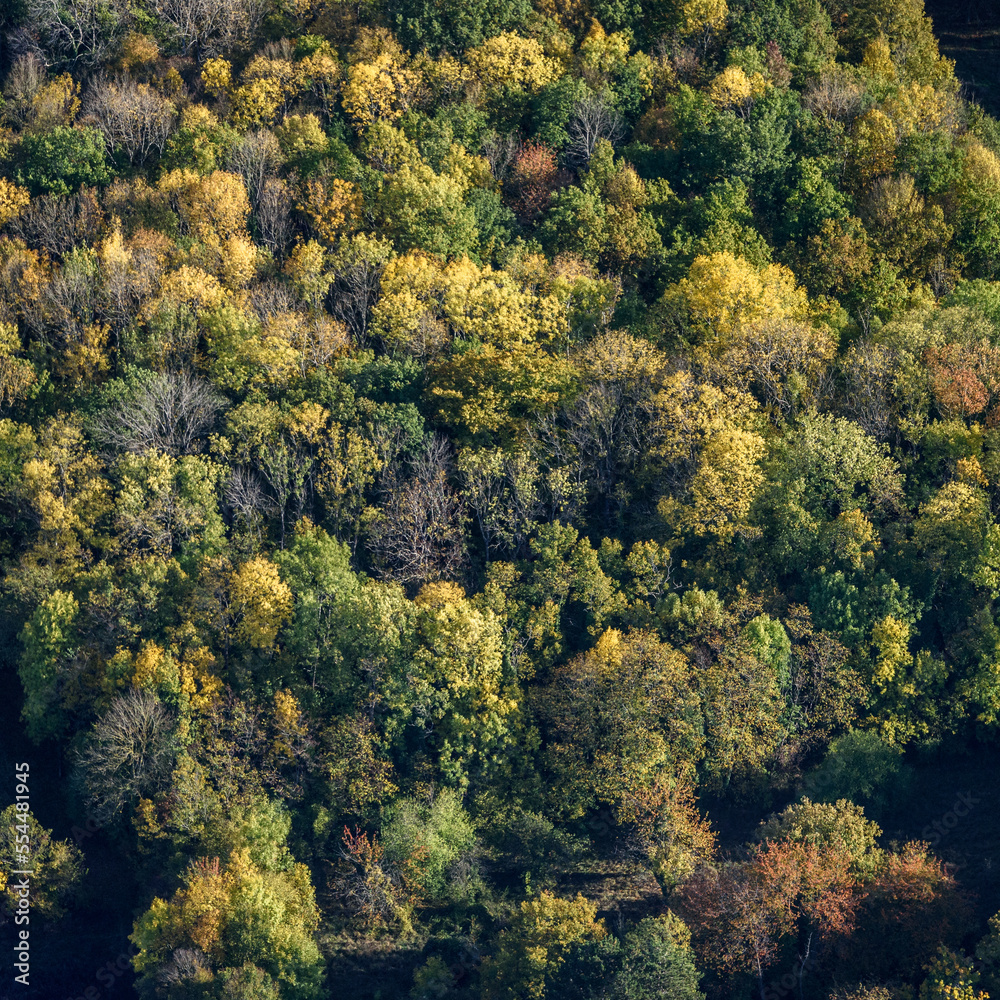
472,449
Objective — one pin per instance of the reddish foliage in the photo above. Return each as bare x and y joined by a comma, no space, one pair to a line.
741,913
533,177
962,378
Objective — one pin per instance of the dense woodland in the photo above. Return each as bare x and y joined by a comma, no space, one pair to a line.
497,498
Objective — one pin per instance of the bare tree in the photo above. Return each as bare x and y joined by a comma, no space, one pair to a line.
205,28
25,77
256,158
271,298
273,215
836,94
594,118
249,503
869,372
358,266
57,225
419,536
70,32
500,151
185,965
170,413
133,116
129,754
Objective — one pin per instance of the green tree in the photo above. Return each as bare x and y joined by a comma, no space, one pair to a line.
56,865
60,160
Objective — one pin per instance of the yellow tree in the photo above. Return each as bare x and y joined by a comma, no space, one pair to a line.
540,940
721,292
379,91
261,603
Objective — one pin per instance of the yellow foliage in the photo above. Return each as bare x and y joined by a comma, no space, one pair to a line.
381,90
445,76
919,107
217,76
255,104
321,74
189,286
334,208
724,486
55,103
300,134
890,641
239,261
601,54
877,60
261,601
84,358
154,668
212,208
980,170
684,414
723,292
198,684
13,200
873,147
702,16
306,266
425,303
438,593
137,51
17,375
732,88
508,60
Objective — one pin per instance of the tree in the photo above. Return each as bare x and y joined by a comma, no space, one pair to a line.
260,603
546,935
60,160
435,839
839,825
79,32
233,914
50,642
56,865
419,535
741,912
723,292
168,506
444,25
594,118
171,413
533,176
205,28
129,754
619,717
658,961
133,116
861,768
451,693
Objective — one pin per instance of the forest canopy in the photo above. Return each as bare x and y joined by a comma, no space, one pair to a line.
498,500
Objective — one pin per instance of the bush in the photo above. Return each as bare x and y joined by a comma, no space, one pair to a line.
437,840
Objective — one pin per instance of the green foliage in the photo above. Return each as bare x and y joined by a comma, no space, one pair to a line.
440,834
446,25
56,866
860,768
59,161
492,444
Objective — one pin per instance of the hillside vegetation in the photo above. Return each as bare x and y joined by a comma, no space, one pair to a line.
498,499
